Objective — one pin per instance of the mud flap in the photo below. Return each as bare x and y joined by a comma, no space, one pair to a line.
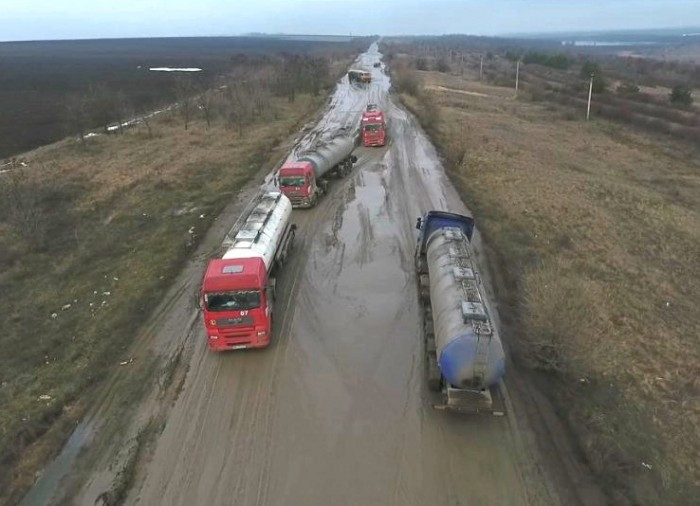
434,374
483,402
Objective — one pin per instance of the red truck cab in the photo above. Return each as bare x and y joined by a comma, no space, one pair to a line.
297,181
237,304
373,127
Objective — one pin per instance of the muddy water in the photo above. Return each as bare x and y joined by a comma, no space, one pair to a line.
336,410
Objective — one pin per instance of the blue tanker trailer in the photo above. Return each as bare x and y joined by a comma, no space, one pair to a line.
465,359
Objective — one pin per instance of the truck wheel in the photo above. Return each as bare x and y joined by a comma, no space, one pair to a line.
273,288
424,288
434,375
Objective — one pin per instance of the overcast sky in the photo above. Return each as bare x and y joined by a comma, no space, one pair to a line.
71,19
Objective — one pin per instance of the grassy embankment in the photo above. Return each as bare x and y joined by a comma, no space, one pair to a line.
103,230
594,231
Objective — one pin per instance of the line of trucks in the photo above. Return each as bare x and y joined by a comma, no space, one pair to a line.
304,180
464,355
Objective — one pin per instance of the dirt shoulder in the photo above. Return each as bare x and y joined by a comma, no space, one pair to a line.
114,222
593,232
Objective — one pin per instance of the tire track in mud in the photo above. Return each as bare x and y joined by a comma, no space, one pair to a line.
264,480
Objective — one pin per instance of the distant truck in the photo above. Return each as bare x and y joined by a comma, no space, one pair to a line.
373,127
359,76
304,181
464,355
238,290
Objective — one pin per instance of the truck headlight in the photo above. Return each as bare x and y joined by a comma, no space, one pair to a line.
213,337
262,333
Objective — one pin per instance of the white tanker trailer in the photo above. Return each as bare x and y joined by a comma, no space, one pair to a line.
465,358
238,290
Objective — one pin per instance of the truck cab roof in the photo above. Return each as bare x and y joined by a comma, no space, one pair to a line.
234,274
295,168
373,116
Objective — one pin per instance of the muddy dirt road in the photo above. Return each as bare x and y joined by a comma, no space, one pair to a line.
336,411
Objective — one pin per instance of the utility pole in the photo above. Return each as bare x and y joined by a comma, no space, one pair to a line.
590,95
481,67
462,63
517,77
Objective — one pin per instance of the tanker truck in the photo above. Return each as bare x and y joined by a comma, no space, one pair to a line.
238,290
303,180
359,76
464,355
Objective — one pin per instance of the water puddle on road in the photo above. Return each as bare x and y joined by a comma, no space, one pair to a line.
51,476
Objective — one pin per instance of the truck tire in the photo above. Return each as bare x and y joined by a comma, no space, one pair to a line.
273,288
292,236
434,375
424,288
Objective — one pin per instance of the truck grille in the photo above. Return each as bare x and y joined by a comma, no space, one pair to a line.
235,322
296,200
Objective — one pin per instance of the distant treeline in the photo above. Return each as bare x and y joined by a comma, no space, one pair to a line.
553,60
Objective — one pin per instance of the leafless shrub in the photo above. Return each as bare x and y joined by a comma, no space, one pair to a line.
104,107
77,115
405,80
555,317
205,102
22,207
184,91
442,65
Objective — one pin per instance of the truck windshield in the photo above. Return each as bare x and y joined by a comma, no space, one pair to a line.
232,301
373,128
292,181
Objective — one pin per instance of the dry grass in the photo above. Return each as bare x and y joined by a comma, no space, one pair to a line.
119,222
596,230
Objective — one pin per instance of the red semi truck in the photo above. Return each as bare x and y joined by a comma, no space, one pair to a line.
238,290
303,180
373,127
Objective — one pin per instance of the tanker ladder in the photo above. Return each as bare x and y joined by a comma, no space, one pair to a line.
248,234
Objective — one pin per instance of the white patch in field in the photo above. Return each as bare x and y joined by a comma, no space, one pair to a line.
175,69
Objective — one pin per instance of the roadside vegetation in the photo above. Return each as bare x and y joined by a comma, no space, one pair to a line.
593,235
94,229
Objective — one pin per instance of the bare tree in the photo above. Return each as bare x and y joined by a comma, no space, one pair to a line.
206,99
144,115
122,109
77,114
104,106
184,90
22,205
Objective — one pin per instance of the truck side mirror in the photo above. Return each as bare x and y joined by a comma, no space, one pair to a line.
419,223
276,181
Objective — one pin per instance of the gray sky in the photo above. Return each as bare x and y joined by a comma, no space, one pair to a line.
67,19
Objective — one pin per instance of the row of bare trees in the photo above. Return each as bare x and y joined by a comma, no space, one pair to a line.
99,106
246,94
243,96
